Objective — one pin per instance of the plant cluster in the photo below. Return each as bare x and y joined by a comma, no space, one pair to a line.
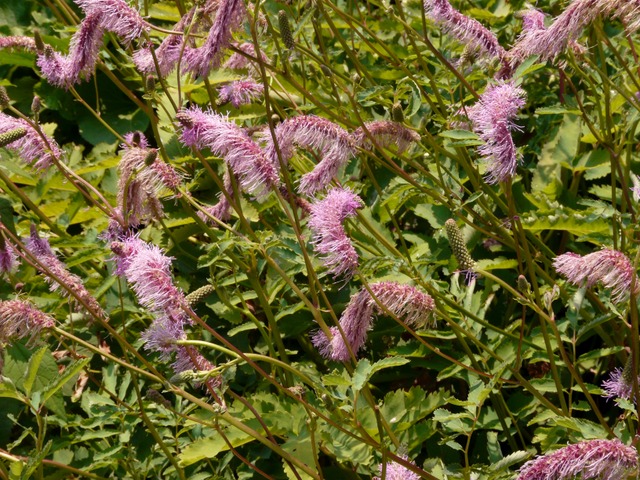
315,239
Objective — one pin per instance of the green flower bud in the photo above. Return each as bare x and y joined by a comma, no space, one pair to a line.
458,247
285,30
200,294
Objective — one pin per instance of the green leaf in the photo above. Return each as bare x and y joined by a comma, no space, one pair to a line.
32,370
364,370
213,445
459,135
69,372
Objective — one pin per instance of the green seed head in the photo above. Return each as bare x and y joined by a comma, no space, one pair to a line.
11,136
285,30
458,247
200,294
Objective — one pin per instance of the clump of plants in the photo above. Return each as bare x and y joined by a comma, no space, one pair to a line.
316,239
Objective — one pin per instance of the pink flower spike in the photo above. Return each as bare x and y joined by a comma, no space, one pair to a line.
8,257
333,143
238,61
468,31
385,133
35,149
395,471
492,119
610,267
407,303
617,386
20,319
329,236
27,44
592,459
240,92
117,17
229,17
247,160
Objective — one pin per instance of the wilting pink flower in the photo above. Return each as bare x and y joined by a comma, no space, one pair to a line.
189,358
550,42
67,70
18,43
405,302
8,257
593,459
20,319
385,133
240,92
329,237
35,149
492,119
116,16
256,174
222,209
467,30
57,274
610,267
229,16
395,471
142,176
333,143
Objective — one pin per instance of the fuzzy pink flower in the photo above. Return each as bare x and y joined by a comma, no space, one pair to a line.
189,358
333,143
405,302
492,119
229,17
395,471
385,133
222,209
237,61
609,267
116,16
142,176
329,236
593,459
8,257
532,20
200,129
467,30
35,149
18,43
240,92
617,386
57,274
20,319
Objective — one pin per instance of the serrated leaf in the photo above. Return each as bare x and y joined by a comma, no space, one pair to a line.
511,459
364,370
69,372
32,370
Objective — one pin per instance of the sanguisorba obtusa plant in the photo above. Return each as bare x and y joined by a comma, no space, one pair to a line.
319,239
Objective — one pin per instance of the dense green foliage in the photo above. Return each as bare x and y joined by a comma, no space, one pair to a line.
511,368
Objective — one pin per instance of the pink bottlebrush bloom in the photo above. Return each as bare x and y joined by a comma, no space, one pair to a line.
116,16
202,59
189,358
592,459
405,302
617,386
329,237
492,118
35,149
142,176
18,43
256,174
532,20
610,267
8,257
240,92
467,30
238,61
20,319
162,335
333,143
222,209
395,471
57,274
67,70
385,133
565,29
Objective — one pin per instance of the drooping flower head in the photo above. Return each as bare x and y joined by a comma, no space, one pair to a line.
20,319
405,302
385,133
333,143
492,119
58,276
593,459
8,257
141,178
35,149
116,16
202,59
329,236
611,268
256,174
240,92
222,209
468,31
395,471
27,44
